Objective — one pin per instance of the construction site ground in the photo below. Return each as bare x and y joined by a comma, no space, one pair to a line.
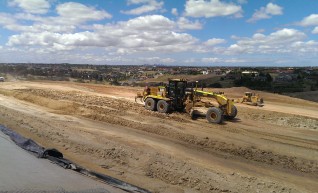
265,149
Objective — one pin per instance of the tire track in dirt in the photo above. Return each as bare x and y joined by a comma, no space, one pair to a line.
249,129
158,166
280,118
88,107
175,128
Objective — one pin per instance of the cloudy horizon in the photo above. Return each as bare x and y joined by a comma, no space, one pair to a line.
135,32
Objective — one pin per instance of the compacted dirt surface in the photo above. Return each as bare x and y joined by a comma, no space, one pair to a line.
265,149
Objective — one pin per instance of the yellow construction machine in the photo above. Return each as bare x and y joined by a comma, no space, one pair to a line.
251,99
176,96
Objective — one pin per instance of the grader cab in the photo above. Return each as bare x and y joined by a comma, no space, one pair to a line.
176,96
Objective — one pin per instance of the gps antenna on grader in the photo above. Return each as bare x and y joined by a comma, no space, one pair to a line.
177,97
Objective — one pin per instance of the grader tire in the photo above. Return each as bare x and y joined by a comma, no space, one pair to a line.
233,113
162,106
192,115
214,115
150,104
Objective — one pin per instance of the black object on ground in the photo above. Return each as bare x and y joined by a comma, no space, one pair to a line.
57,157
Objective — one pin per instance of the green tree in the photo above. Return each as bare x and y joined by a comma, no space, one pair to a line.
269,77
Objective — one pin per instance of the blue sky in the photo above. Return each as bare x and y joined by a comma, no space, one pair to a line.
170,32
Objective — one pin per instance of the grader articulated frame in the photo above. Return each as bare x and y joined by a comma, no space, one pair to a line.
177,97
251,99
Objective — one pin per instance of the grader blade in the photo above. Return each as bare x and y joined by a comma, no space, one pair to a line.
138,98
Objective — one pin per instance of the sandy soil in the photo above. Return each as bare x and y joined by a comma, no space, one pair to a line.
265,149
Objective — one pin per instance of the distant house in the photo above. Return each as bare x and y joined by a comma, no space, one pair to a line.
260,78
205,72
250,73
218,71
1,79
284,78
233,76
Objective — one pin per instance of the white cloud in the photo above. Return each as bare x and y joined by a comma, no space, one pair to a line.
305,47
148,6
28,17
266,12
41,28
315,31
10,22
214,41
184,23
211,8
190,60
6,19
70,17
237,49
311,20
223,60
174,11
77,13
235,60
276,42
131,2
273,9
70,35
157,60
154,33
209,60
31,6
149,22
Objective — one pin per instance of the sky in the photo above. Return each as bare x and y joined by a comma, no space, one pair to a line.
169,32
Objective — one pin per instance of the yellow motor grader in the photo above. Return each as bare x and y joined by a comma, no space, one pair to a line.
251,99
176,96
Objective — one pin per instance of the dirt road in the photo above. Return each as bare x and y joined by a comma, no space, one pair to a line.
268,149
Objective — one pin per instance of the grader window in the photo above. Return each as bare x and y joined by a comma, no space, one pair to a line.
181,88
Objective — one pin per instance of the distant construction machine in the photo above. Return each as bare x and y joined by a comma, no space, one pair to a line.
251,99
176,96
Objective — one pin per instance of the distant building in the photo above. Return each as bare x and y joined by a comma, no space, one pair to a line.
205,72
250,73
1,79
283,77
218,71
